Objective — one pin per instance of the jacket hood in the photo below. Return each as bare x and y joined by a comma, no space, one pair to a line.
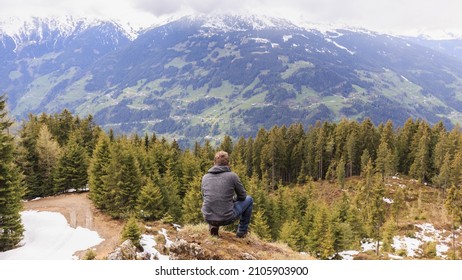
219,169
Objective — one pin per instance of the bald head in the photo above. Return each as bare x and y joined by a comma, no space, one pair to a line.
221,158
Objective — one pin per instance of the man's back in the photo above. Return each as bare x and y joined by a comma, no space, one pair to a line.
219,186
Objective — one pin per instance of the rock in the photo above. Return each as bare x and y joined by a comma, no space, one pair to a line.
247,256
126,251
144,256
181,250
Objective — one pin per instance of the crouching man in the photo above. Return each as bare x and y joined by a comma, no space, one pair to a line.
224,197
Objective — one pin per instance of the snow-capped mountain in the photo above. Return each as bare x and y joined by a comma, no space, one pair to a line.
203,76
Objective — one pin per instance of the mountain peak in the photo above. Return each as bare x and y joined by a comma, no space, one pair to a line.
237,22
36,29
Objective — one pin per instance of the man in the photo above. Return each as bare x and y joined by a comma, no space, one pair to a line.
224,197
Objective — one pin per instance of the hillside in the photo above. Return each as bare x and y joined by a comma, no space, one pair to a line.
190,242
423,222
203,77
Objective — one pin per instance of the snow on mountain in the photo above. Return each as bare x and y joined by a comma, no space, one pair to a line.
228,23
35,30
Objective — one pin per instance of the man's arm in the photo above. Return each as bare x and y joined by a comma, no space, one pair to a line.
241,193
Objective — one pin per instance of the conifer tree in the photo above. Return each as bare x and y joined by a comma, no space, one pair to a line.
149,204
398,204
192,202
327,244
72,168
28,159
341,173
404,145
318,229
169,186
190,168
272,156
291,233
260,141
48,151
453,204
389,231
365,158
352,153
456,169
443,179
227,144
260,225
11,191
377,211
129,183
382,159
132,231
98,170
421,164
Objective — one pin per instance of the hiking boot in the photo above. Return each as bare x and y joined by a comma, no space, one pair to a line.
213,230
241,234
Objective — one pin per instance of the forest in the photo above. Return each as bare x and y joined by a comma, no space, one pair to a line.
283,168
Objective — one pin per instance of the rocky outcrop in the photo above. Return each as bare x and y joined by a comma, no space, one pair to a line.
182,249
128,251
196,243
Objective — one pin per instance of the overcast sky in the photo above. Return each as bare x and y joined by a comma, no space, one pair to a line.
397,16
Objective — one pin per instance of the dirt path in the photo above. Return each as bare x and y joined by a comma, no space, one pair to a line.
79,212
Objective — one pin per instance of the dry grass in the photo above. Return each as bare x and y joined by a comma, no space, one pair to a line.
228,247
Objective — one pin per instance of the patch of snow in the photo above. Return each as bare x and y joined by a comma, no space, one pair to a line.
286,37
168,242
368,245
148,243
348,255
388,200
340,46
411,245
261,40
48,236
395,257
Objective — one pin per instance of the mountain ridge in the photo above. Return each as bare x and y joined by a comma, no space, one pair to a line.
204,76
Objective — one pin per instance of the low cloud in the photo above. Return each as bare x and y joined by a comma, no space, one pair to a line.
158,8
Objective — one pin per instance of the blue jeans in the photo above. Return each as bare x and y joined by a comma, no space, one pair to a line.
243,211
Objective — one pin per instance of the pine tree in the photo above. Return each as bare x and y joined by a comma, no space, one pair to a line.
453,205
260,225
28,159
398,204
71,173
328,242
421,165
11,191
131,231
443,179
389,231
352,153
377,211
149,204
124,180
318,229
192,202
273,155
382,159
48,151
169,187
291,233
341,173
227,144
98,170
